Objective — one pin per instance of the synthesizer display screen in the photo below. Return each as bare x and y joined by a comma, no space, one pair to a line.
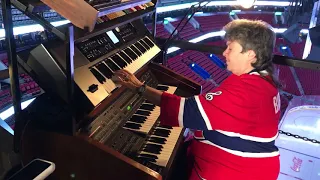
113,37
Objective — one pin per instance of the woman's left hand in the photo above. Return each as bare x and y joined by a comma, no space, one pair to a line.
127,79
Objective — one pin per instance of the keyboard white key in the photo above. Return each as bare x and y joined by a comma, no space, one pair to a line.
150,120
171,89
137,63
167,148
143,59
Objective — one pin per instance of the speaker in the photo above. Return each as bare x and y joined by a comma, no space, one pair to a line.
292,34
314,54
314,34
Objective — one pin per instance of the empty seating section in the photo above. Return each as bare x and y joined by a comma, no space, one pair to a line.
161,32
297,49
212,22
305,76
28,88
285,75
267,17
188,32
180,64
217,74
287,80
309,80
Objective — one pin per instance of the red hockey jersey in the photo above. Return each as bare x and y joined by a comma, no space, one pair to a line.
235,128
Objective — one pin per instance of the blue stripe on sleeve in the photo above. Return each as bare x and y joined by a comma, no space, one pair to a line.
192,117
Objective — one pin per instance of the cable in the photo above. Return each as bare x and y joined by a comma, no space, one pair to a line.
190,9
164,56
172,36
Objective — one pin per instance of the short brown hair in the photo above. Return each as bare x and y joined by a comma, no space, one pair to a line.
254,35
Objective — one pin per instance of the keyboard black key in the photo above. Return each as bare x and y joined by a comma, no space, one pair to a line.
149,156
157,146
140,47
145,45
138,119
150,44
157,132
166,127
125,57
130,53
104,70
132,125
112,65
157,140
162,88
152,149
164,130
99,77
147,159
144,113
149,107
136,50
117,59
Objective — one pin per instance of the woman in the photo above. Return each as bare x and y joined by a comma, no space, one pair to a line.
237,123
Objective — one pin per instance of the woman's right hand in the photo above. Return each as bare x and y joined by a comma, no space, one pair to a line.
127,79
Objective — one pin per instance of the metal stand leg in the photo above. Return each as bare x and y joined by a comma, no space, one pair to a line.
13,71
70,75
154,24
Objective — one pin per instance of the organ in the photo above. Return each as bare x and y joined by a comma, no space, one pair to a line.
112,132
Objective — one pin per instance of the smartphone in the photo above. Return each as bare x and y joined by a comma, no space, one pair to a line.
37,169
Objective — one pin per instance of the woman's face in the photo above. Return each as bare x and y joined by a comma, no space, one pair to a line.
237,62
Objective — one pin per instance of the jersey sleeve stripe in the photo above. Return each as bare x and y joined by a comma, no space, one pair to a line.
246,137
244,154
181,110
203,113
192,117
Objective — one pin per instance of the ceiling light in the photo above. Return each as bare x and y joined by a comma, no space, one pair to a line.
246,3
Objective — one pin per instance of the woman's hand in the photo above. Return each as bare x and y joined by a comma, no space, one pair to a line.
130,81
127,79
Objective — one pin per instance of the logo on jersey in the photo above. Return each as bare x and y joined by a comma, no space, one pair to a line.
209,96
198,135
277,103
